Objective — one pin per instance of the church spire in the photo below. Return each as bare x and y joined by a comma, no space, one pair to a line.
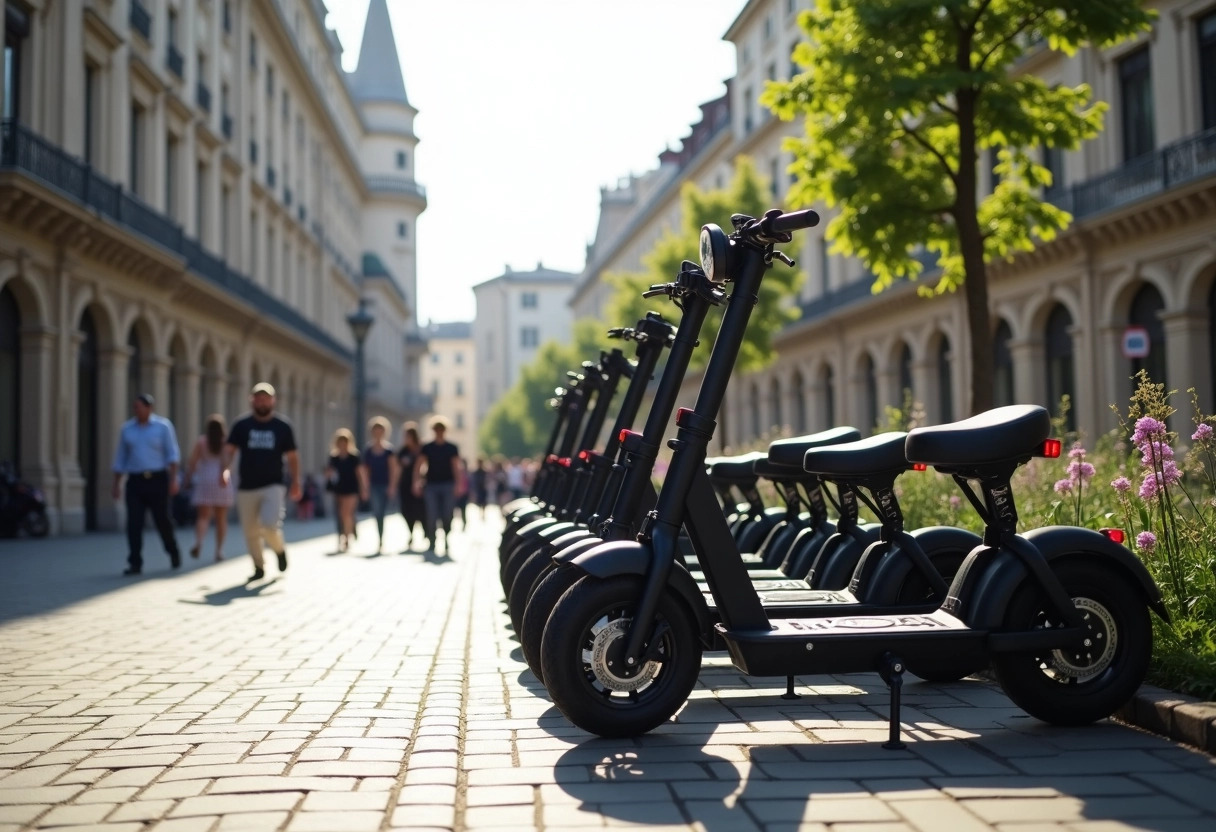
378,75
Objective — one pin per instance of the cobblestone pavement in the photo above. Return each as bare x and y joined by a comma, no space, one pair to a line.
359,692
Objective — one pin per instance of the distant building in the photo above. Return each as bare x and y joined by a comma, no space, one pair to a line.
1139,252
516,313
193,197
449,378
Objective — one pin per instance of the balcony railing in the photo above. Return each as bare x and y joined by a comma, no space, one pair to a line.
397,185
226,126
203,96
141,20
1175,164
37,158
174,60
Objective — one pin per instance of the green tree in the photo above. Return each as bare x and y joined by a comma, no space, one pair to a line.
747,193
901,96
520,422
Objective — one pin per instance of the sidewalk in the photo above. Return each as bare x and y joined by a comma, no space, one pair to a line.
365,693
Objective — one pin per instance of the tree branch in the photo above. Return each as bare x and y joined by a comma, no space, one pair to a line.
944,106
916,137
1021,27
975,21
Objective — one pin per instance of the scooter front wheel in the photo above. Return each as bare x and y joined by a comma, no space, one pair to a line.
582,655
1088,681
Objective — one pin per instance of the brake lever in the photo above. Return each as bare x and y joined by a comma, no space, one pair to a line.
657,289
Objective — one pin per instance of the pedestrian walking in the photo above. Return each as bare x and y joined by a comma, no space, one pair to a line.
437,481
462,494
307,504
380,462
413,508
479,484
348,480
211,497
264,441
515,479
148,456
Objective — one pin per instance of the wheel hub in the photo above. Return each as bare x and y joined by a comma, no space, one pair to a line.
1096,650
608,663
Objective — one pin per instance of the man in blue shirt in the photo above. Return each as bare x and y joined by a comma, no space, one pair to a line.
148,456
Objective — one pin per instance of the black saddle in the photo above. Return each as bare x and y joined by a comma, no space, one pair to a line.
1003,434
791,451
736,468
877,454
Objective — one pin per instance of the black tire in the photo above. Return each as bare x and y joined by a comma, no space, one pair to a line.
36,524
549,589
587,628
523,584
522,551
1082,685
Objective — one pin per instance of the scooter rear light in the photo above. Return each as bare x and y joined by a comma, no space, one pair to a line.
551,458
584,455
681,413
919,466
1113,534
564,462
1051,448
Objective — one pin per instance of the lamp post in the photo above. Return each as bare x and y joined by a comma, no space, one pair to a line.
360,322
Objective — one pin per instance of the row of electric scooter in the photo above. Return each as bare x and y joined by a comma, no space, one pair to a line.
615,590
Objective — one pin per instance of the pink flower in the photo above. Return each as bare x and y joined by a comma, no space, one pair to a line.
955,501
1063,486
1202,433
1121,484
1146,541
1147,427
1150,486
1154,450
1170,471
1077,451
1080,471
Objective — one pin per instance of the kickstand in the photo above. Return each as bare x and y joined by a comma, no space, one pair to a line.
892,672
789,689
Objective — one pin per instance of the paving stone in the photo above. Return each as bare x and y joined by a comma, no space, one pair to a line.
226,804
423,816
39,794
346,801
142,810
934,815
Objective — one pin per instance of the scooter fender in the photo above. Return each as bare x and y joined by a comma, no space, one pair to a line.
987,580
570,551
628,557
883,571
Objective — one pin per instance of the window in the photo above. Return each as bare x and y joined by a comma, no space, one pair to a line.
774,176
269,81
994,159
253,52
459,420
434,358
529,336
528,300
286,106
459,387
225,208
400,160
1058,348
458,358
793,63
747,110
1207,69
1136,97
90,111
200,205
791,6
1053,160
768,29
771,73
402,230
1002,366
825,262
17,28
137,127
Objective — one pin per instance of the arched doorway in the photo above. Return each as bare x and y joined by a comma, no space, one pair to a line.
10,378
774,403
799,395
945,381
869,393
87,410
1061,379
1002,365
1145,311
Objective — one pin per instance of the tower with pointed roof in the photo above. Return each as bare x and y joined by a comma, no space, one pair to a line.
395,199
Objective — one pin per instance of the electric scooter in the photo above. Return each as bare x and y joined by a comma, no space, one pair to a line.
1061,613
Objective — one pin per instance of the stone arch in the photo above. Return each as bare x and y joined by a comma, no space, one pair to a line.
1144,309
1119,293
1036,313
105,316
27,295
1198,282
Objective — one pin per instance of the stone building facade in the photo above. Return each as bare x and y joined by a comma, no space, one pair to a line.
193,197
1141,252
449,377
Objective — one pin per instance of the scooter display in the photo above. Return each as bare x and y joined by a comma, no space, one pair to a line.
1061,613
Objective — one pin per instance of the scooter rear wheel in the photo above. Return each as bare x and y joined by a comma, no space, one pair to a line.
549,588
582,656
1090,681
523,584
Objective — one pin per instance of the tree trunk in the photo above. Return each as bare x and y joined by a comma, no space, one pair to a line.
971,244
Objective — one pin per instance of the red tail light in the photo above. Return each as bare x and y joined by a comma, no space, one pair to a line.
620,437
919,466
681,413
1113,534
1051,448
564,462
584,455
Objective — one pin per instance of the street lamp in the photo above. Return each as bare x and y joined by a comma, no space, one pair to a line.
360,322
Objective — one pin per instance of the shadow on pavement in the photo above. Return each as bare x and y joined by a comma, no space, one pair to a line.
223,597
42,575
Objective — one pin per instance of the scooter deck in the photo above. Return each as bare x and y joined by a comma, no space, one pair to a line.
850,643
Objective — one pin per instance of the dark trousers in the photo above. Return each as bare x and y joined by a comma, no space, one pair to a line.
148,493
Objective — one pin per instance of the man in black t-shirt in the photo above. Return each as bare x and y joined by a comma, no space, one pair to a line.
437,480
264,441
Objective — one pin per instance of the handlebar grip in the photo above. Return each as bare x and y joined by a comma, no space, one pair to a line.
794,221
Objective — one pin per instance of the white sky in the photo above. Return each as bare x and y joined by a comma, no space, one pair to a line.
526,108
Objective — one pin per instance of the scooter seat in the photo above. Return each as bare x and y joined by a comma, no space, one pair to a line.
877,454
778,473
998,435
791,451
736,468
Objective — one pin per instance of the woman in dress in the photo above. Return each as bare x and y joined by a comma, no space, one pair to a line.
348,478
413,507
210,498
380,462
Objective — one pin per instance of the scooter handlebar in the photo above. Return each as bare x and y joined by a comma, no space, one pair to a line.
791,221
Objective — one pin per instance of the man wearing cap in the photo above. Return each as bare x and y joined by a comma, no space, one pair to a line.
264,441
148,456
